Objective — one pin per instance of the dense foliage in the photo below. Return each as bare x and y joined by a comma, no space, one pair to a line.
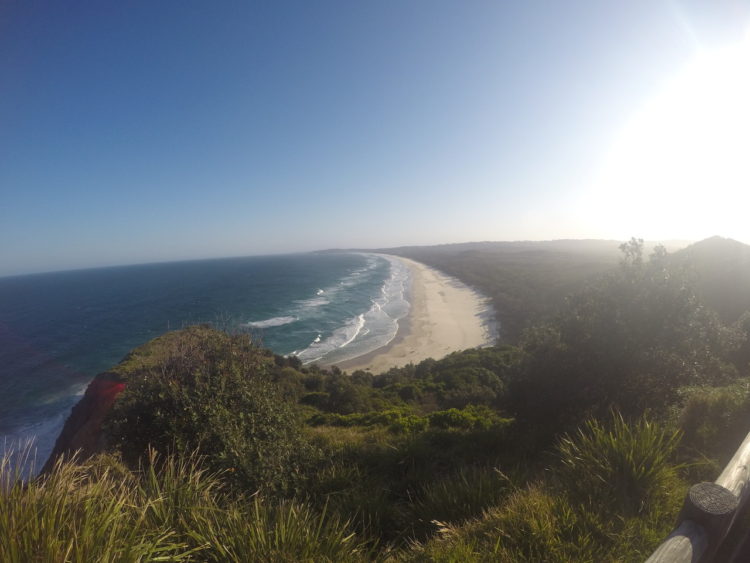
577,444
632,340
211,393
524,280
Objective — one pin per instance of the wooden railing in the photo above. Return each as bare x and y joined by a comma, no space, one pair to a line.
708,514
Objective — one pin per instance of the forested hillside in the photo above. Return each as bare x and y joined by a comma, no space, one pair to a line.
720,270
524,280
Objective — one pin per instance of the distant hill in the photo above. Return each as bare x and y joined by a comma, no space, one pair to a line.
721,269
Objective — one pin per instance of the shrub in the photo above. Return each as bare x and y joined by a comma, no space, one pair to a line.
631,340
212,393
358,496
400,420
716,420
287,531
317,399
470,418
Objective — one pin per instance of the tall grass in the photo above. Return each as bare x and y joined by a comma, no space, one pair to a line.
532,525
457,497
621,468
171,510
69,516
604,499
286,531
392,485
611,495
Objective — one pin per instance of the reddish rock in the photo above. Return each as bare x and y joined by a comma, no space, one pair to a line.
83,428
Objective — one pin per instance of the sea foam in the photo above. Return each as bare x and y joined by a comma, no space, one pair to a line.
268,323
374,328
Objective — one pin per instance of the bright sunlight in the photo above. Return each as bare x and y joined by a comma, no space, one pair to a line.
681,166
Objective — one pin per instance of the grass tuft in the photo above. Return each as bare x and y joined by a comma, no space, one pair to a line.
619,468
457,497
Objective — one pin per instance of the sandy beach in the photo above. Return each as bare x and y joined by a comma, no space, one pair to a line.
445,316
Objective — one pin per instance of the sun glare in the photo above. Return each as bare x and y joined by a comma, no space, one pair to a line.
681,166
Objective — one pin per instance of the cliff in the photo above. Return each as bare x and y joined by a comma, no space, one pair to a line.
83,428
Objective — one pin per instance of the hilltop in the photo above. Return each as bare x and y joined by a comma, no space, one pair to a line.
721,267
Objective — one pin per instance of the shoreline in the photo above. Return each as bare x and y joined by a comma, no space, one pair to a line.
445,316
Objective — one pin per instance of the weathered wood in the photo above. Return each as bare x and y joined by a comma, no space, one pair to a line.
713,507
741,553
688,543
705,518
736,474
709,513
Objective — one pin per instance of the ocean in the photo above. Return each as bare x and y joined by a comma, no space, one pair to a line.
58,330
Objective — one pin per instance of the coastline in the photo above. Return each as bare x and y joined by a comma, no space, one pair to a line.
445,316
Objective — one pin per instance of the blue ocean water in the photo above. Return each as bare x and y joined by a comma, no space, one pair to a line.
58,330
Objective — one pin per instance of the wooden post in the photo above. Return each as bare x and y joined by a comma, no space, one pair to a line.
687,543
713,507
708,513
736,474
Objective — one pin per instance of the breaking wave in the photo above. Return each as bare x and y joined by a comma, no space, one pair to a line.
267,323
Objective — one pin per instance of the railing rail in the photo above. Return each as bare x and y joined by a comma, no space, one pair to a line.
709,511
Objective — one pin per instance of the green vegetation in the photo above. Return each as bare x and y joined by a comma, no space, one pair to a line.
211,393
632,340
577,444
606,499
624,465
173,510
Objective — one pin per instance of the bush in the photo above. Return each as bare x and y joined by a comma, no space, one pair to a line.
287,531
716,420
358,496
317,399
400,420
470,418
212,394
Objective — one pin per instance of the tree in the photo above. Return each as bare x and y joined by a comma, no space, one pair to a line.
629,340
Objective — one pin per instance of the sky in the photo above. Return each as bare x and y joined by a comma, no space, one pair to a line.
149,131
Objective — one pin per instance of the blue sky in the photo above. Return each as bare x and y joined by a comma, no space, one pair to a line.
148,131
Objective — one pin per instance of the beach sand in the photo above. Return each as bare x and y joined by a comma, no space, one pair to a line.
445,316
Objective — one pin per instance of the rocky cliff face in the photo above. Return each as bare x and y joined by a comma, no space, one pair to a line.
83,429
